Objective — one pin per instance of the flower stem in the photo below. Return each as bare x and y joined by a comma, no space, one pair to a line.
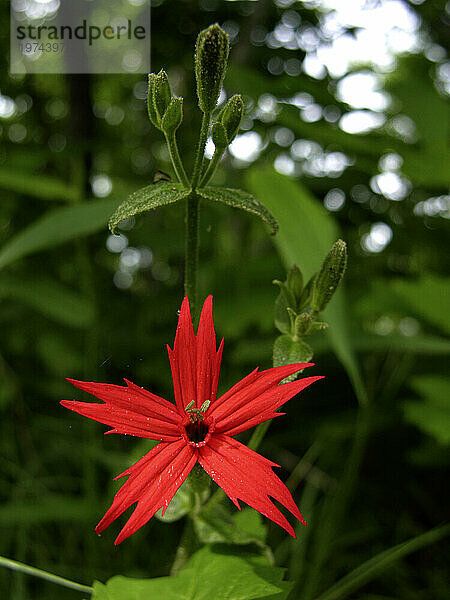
211,168
192,244
200,150
18,566
176,159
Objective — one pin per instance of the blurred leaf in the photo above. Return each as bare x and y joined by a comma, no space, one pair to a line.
307,232
56,227
427,162
216,571
37,186
372,568
425,297
51,299
59,354
148,198
432,414
48,509
242,200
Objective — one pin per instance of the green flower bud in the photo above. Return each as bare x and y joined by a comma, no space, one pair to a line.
295,282
162,95
211,56
219,137
329,276
173,116
152,114
302,325
231,116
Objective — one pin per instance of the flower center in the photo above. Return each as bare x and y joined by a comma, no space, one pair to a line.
196,430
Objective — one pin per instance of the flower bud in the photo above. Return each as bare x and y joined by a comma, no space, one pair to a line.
302,324
295,282
162,94
173,116
211,56
152,114
329,276
219,137
231,116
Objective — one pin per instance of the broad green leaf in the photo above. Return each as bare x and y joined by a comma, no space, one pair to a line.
432,414
215,572
37,186
307,233
56,227
148,198
50,298
373,567
242,200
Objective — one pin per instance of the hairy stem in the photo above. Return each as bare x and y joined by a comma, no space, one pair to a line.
211,168
200,150
192,244
176,159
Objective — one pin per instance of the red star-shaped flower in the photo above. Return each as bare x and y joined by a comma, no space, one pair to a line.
200,427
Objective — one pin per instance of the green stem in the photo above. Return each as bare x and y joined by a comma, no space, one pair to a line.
21,567
258,435
192,244
200,150
211,168
176,159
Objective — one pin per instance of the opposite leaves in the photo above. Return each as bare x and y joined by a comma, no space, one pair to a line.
239,199
148,198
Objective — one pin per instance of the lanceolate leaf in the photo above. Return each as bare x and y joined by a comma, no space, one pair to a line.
56,227
147,198
242,200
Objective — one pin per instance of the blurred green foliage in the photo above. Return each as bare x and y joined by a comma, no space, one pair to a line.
76,302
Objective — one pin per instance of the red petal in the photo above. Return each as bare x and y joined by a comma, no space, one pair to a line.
131,397
194,360
129,410
126,421
255,398
244,474
152,483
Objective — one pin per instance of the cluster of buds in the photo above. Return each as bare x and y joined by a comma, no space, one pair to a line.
211,57
298,306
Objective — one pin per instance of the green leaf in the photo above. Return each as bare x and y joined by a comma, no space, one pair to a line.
56,227
216,572
424,297
217,525
50,298
148,198
180,505
239,199
306,233
38,186
432,414
286,351
373,567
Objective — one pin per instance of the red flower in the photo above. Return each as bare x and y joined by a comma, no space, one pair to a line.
199,428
